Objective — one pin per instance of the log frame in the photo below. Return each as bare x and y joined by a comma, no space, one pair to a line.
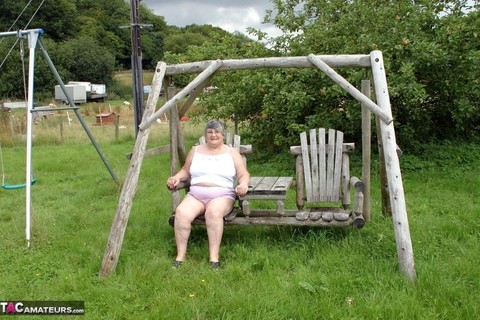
394,175
119,225
207,69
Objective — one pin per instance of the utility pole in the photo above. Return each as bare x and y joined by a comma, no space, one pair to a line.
137,74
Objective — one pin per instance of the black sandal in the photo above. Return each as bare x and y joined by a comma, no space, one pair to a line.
176,263
215,265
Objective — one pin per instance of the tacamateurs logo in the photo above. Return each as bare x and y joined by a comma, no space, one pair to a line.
10,307
42,307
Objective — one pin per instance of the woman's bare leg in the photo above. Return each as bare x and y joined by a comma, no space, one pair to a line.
186,212
214,213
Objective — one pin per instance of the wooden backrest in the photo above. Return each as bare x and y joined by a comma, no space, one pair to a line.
324,164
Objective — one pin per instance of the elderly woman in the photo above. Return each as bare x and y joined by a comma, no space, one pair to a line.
211,168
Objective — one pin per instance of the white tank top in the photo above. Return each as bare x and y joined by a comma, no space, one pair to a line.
217,169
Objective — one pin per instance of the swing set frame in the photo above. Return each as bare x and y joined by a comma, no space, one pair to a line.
206,70
34,39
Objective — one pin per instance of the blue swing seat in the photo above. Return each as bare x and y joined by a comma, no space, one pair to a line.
8,186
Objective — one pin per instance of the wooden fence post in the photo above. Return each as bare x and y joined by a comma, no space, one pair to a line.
61,127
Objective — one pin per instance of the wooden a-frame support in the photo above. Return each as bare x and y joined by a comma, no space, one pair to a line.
207,69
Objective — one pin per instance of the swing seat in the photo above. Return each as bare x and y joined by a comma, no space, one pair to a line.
8,186
323,180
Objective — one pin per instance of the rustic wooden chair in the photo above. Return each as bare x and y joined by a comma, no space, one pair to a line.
323,179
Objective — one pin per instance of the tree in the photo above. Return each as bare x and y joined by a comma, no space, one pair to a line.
178,40
87,39
88,61
423,42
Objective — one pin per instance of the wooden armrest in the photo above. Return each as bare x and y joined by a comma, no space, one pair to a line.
359,187
357,184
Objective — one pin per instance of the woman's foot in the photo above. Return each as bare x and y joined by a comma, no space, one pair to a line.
215,265
176,263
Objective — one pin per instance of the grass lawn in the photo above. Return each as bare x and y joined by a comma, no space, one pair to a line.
267,272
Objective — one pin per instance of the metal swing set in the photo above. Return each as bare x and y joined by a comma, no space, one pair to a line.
33,36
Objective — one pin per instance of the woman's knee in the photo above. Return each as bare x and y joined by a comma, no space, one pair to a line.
214,215
188,210
183,216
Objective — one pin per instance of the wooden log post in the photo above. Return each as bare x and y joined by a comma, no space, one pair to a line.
193,96
358,210
174,128
117,126
117,232
300,182
337,60
366,150
385,197
342,82
394,175
346,181
183,93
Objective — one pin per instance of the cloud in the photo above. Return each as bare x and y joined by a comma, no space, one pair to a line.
230,15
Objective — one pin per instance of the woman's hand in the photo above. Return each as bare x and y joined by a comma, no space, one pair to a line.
241,189
172,183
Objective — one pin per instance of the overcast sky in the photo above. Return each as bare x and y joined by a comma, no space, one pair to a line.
230,15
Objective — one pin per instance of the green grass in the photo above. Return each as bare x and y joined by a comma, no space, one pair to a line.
267,272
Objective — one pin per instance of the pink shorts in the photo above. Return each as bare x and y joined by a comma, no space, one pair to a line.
207,194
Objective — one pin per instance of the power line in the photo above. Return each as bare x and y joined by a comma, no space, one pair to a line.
26,26
21,13
34,14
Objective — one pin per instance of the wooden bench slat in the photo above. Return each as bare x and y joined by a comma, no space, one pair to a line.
282,184
253,183
269,185
314,164
306,166
338,167
330,163
265,185
322,150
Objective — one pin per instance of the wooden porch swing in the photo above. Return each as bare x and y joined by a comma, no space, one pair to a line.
323,177
322,183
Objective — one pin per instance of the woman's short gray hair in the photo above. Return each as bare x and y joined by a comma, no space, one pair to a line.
215,125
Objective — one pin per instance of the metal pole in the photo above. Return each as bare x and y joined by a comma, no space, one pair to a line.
32,42
20,33
75,109
137,76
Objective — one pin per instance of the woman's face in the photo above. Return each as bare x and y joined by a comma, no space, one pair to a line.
214,137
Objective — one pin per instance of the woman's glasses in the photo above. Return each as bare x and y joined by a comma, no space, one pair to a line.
212,132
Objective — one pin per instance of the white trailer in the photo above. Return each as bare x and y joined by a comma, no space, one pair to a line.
95,92
78,93
88,85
